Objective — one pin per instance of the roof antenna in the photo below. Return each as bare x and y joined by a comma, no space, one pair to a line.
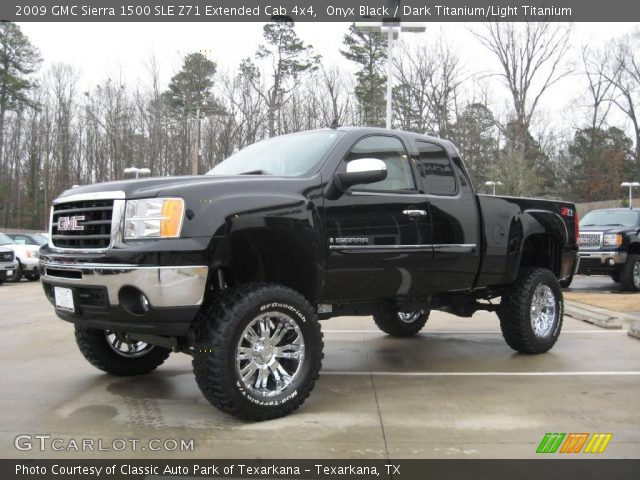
335,124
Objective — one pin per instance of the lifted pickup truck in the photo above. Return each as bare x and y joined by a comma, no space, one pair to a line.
236,267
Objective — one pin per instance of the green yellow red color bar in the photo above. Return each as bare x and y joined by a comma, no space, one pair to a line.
574,442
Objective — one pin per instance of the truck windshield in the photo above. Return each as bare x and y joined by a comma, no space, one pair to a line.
288,156
5,240
610,218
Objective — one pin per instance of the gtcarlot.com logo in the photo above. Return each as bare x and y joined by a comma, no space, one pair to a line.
574,443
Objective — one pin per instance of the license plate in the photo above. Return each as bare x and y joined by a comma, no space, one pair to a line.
9,273
64,299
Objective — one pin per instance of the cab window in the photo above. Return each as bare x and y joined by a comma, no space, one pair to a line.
435,167
392,152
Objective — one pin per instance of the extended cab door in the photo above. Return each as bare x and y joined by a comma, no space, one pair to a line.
454,219
379,235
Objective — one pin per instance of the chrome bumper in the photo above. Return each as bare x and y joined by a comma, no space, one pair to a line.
9,265
604,257
177,286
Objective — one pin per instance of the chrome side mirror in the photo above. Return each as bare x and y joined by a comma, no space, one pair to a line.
362,171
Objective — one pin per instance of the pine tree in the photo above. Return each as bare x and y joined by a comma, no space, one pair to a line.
290,59
369,51
19,59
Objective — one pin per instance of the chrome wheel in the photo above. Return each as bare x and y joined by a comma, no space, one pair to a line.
543,310
125,346
636,274
270,354
410,317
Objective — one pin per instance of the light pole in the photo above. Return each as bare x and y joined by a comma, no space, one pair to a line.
630,185
491,183
392,27
137,171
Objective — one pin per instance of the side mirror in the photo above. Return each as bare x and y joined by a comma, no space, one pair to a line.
360,172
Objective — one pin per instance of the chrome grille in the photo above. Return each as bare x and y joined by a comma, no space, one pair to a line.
590,240
82,224
6,256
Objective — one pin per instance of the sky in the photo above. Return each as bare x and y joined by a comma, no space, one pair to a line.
122,50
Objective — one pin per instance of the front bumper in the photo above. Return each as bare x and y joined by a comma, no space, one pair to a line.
601,262
109,296
8,270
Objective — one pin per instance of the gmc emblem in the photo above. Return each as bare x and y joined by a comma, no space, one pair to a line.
66,224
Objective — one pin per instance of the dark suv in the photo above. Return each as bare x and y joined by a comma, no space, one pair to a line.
609,245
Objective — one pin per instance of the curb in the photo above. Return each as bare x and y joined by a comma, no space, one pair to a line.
597,316
634,329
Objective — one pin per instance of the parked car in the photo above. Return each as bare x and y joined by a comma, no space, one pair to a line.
27,257
8,264
36,239
609,245
236,267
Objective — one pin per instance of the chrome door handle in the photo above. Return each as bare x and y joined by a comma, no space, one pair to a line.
415,213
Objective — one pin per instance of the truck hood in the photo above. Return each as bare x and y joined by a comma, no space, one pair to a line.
607,229
152,187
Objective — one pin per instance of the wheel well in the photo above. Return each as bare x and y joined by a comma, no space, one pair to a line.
541,250
264,256
634,249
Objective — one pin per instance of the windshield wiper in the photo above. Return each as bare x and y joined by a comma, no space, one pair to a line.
256,172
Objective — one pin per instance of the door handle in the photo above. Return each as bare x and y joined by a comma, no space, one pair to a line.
415,213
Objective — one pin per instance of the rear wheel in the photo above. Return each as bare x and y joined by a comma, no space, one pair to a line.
630,274
531,311
118,354
401,324
258,351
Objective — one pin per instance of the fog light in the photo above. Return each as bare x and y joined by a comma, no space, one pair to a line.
144,303
612,262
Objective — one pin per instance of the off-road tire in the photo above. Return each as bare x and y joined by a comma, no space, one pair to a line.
17,273
94,347
515,312
388,320
218,331
626,275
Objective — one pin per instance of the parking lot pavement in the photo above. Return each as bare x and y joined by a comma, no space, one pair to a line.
455,391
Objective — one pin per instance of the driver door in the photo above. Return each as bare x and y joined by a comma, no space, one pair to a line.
379,235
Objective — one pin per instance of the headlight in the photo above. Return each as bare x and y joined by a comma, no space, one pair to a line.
153,218
612,240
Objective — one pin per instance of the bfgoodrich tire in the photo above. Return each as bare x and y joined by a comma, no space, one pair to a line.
401,324
531,311
258,351
630,274
118,355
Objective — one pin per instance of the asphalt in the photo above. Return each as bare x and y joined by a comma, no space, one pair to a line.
455,391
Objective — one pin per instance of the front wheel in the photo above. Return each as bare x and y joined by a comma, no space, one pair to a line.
401,324
32,277
118,354
258,351
630,274
531,311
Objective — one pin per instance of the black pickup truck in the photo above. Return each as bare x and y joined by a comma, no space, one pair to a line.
609,244
237,266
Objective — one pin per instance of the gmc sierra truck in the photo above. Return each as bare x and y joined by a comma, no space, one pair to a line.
609,244
236,267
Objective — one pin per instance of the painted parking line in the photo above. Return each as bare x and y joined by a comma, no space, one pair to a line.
483,374
464,332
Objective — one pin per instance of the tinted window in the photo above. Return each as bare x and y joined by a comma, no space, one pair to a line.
435,167
392,152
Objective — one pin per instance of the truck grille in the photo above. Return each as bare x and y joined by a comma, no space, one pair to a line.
6,256
590,240
82,224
